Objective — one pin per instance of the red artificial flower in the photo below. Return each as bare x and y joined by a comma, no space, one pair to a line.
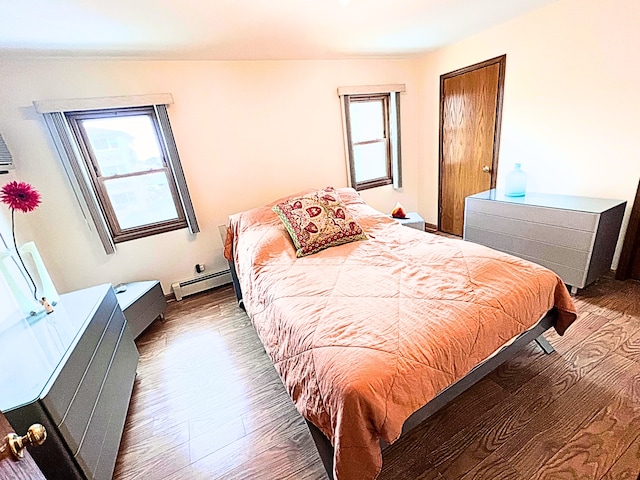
20,196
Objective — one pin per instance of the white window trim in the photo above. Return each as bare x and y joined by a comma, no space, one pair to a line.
371,89
394,122
98,103
76,169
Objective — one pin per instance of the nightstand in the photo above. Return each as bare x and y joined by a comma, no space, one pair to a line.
413,220
142,303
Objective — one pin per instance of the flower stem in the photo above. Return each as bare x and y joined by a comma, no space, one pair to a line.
15,244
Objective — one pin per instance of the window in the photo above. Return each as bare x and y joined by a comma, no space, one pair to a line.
371,120
370,144
124,166
129,171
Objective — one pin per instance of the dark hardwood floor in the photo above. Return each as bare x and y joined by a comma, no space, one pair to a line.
208,404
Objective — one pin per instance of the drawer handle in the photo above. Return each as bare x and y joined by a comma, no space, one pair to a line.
486,169
36,435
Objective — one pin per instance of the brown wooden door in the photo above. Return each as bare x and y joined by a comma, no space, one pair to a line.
629,263
470,117
11,468
634,270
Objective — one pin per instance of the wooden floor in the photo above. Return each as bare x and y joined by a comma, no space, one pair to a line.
208,404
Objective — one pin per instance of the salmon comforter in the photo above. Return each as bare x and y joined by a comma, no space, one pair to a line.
364,334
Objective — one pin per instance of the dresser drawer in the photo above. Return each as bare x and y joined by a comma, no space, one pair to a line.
537,251
99,448
571,276
551,234
74,424
549,216
58,399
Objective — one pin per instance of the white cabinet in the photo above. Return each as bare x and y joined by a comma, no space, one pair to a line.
142,303
573,236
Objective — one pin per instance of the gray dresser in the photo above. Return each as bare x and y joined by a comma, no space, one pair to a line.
73,372
573,236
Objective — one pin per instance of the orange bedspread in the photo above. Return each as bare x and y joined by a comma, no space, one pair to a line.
364,334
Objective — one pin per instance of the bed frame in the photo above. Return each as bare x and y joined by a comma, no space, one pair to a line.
325,449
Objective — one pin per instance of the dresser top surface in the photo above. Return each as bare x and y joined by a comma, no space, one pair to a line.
410,218
134,291
565,202
34,347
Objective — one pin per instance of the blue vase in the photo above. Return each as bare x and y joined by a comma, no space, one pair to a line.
516,182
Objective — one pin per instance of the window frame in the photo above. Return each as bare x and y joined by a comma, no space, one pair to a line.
77,171
391,121
119,234
374,182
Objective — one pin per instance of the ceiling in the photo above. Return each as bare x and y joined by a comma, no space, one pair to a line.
244,29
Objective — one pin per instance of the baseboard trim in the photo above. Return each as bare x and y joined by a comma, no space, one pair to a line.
171,297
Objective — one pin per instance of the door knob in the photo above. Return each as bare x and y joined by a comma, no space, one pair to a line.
36,435
486,169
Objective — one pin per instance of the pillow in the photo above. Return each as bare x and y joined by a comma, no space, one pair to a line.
318,220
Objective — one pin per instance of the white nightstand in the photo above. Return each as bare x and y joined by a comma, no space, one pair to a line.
413,220
142,303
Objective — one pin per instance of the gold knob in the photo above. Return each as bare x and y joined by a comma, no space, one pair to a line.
486,169
36,435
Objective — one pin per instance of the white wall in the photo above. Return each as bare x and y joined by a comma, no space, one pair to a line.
571,103
247,133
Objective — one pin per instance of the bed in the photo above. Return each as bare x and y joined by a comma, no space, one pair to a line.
377,327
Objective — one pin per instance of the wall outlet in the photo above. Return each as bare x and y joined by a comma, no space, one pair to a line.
199,267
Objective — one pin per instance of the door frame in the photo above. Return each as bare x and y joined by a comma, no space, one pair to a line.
501,61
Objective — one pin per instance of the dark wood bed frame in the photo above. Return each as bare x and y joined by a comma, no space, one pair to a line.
325,449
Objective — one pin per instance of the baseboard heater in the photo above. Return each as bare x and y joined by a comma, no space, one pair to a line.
200,284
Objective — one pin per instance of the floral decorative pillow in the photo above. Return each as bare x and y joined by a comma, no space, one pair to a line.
317,221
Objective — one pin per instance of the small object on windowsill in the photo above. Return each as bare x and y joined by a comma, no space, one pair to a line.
398,211
47,306
121,287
